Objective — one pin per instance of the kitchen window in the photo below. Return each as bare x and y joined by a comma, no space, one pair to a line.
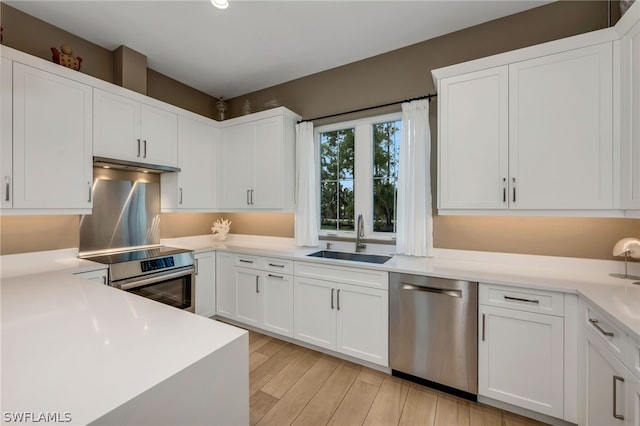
358,175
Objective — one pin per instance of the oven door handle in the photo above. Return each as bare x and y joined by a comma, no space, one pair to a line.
155,279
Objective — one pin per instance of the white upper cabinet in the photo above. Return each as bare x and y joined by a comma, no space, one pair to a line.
474,151
126,129
257,161
52,150
630,135
194,186
6,133
560,130
529,130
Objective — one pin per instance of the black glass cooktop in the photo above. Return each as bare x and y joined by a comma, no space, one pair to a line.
130,256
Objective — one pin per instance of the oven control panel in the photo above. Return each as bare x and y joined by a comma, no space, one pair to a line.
157,264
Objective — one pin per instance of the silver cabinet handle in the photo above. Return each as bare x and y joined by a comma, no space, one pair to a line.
513,180
144,155
446,292
89,185
196,266
615,397
257,285
248,197
180,202
338,299
7,182
483,324
277,276
104,280
138,148
276,266
252,197
504,190
246,261
518,299
597,325
332,290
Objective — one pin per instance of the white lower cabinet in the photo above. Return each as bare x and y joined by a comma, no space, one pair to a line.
225,285
521,353
521,359
604,385
633,401
610,388
205,297
346,318
100,276
259,293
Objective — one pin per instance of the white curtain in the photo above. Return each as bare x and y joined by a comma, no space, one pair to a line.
414,230
307,187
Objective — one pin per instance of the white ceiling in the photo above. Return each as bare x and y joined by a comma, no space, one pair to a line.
257,44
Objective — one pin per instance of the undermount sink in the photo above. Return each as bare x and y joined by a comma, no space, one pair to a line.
358,257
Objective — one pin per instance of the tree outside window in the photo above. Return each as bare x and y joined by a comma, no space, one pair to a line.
386,150
337,180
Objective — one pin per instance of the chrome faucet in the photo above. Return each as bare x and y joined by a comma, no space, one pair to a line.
359,234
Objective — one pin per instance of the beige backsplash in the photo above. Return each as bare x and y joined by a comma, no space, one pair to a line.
591,238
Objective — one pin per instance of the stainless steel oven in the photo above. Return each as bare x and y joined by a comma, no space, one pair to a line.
163,274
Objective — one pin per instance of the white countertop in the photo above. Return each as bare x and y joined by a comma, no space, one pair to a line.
619,298
70,345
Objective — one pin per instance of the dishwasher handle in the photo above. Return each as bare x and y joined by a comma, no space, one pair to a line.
437,290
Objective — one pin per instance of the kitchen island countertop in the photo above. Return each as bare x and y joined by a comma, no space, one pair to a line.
80,349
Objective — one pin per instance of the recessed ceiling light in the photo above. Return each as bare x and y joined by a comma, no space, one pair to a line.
220,4
106,167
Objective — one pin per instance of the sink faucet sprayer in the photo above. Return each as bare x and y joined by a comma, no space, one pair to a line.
359,234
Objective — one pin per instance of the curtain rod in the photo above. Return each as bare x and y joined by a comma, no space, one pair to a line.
429,96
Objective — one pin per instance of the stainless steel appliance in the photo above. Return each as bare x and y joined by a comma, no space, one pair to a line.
164,274
433,332
123,232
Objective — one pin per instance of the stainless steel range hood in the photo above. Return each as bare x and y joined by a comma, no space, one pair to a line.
132,165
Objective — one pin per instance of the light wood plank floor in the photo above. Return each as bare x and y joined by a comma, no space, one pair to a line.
292,385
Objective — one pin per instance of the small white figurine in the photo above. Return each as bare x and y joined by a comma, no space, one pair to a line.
221,228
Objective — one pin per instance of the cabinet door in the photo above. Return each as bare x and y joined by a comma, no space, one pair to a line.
205,283
6,133
225,285
268,169
363,323
277,299
473,140
236,168
248,297
521,358
560,130
633,401
604,384
159,133
99,276
116,132
197,145
314,311
52,144
630,147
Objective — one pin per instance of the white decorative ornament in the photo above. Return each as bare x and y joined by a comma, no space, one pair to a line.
221,228
627,247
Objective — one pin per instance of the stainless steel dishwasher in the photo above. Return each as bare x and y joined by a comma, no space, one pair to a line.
433,332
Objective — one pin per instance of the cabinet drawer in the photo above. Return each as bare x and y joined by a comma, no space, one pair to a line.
610,335
356,276
523,299
247,261
282,266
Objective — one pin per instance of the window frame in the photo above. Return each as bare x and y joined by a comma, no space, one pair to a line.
363,173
